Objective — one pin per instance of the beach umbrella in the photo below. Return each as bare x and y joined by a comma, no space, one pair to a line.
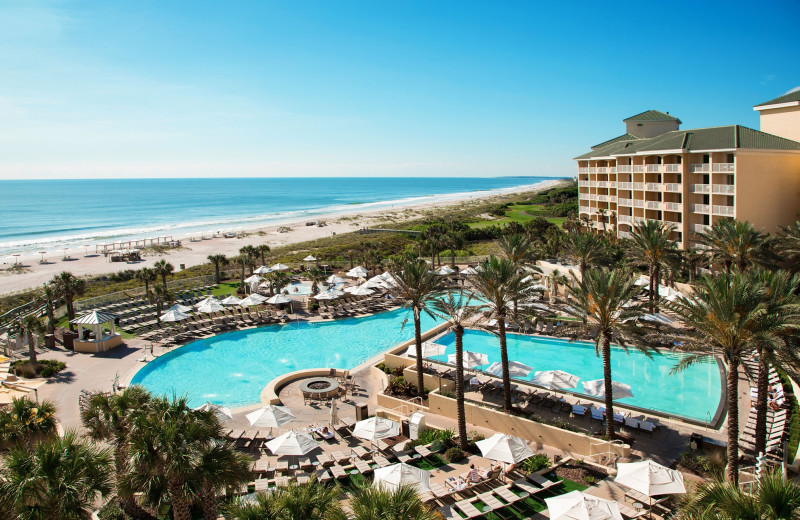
538,287
42,253
211,306
445,270
310,258
429,349
580,506
505,448
231,300
469,271
668,292
279,299
221,412
515,369
357,272
394,476
376,428
250,301
292,443
262,270
270,416
374,283
180,308
173,315
555,379
334,279
650,478
471,359
334,413
361,291
325,295
206,300
642,281
597,388
279,267
253,279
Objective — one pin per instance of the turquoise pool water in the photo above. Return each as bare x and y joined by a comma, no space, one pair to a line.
693,393
233,368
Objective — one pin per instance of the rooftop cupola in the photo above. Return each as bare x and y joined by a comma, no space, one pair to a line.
651,123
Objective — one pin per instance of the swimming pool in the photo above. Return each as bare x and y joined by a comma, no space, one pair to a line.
693,393
232,369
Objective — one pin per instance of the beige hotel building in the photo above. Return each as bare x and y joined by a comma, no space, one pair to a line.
695,177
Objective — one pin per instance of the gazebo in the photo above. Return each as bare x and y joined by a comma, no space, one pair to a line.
103,340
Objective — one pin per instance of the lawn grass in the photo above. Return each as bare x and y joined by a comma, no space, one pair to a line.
565,485
225,289
429,464
520,213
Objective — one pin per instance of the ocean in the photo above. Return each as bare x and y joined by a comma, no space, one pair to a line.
49,215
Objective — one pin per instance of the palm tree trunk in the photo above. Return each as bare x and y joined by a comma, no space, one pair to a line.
501,329
418,345
453,258
607,385
32,349
241,280
208,501
164,280
656,284
761,402
650,287
51,318
146,288
732,470
216,272
180,507
70,310
460,413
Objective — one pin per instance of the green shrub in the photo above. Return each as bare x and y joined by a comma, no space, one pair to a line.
454,454
702,463
437,445
112,511
589,480
44,368
794,414
535,463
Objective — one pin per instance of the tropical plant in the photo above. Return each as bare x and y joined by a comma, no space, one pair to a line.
789,244
163,269
602,214
242,261
146,275
264,507
773,498
652,247
31,328
250,253
454,240
263,249
59,477
219,466
162,296
519,249
68,287
218,260
27,421
403,503
499,283
692,258
50,299
585,250
456,309
726,315
602,300
415,285
317,276
737,243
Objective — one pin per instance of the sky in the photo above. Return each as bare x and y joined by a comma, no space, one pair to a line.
98,89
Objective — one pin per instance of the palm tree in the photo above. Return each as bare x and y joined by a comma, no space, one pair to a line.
403,503
726,316
652,247
32,329
163,269
774,498
457,310
219,466
519,249
68,287
250,253
789,243
415,285
263,249
264,507
351,254
454,240
162,296
585,249
218,260
737,243
310,501
146,275
601,216
556,279
601,300
108,417
59,477
27,421
242,261
317,277
692,257
50,298
500,283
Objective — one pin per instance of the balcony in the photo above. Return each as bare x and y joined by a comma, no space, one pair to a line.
583,184
593,196
638,169
602,184
625,202
612,198
612,184
673,187
624,185
723,168
673,168
583,170
584,209
638,203
638,186
723,189
701,188
653,204
699,168
723,211
624,234
701,208
625,168
653,168
592,184
700,228
673,206
602,198
652,186
625,218
612,169
601,170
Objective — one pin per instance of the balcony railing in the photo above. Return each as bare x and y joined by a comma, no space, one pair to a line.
701,208
652,186
638,186
723,189
673,187
612,198
625,168
638,203
592,184
625,202
602,169
584,209
583,184
701,188
612,169
624,234
624,185
723,167
583,170
638,168
653,204
612,184
673,168
592,170
673,206
653,168
625,218
602,198
699,168
700,228
725,211
602,184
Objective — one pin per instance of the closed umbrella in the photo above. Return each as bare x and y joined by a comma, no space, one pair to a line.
555,379
376,428
173,315
231,300
397,475
279,267
505,448
597,388
650,478
580,506
292,443
262,270
471,359
221,412
515,369
429,349
211,306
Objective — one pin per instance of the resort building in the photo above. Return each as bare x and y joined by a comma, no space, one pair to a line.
691,178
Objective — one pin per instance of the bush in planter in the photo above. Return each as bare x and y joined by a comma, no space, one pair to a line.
454,454
437,445
535,463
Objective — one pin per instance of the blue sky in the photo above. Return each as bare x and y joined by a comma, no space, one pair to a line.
444,88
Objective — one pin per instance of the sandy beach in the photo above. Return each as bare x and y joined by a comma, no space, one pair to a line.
196,252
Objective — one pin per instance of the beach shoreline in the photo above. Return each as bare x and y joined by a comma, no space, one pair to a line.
192,253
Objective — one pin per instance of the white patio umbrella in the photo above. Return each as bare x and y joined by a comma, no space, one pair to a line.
279,267
180,308
310,258
665,291
538,287
471,359
357,272
334,413
279,299
396,475
376,428
597,388
642,281
429,349
334,279
211,306
253,279
580,506
325,295
205,300
292,443
231,300
469,271
221,412
262,270
650,478
173,315
555,379
505,448
361,291
515,369
445,270
270,416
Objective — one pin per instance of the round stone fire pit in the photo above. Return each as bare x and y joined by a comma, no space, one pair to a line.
319,387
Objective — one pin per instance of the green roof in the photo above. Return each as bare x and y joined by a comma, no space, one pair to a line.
786,98
715,138
651,115
623,137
